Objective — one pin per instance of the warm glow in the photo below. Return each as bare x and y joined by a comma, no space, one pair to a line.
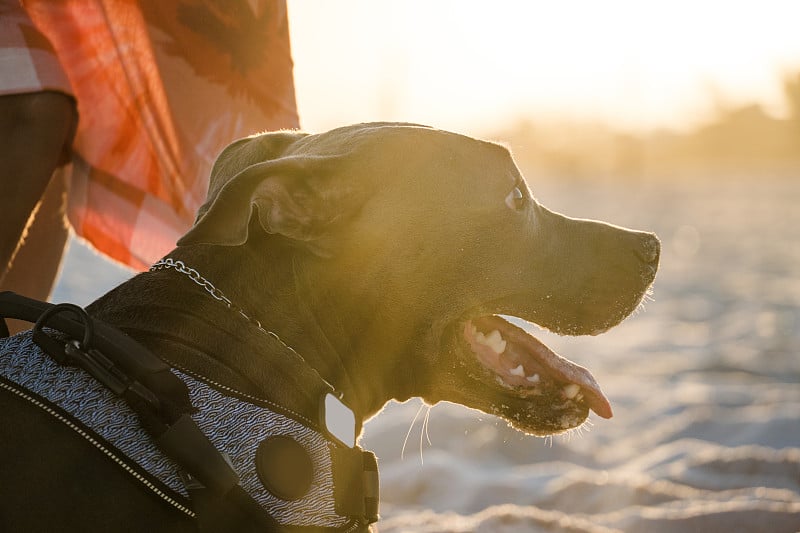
470,65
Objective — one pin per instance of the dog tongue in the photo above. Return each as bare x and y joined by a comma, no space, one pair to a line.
532,353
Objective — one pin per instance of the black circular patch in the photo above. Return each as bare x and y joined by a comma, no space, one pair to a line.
284,467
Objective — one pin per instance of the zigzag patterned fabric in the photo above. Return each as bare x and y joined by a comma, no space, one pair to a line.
234,426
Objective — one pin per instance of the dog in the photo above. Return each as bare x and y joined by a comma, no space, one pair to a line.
376,258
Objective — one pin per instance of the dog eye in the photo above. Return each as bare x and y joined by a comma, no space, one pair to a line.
515,199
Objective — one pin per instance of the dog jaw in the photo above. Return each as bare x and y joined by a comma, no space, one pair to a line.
522,363
501,369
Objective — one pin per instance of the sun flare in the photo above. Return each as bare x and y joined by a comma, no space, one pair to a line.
466,64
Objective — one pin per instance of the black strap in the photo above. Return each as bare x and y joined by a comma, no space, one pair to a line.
187,444
131,356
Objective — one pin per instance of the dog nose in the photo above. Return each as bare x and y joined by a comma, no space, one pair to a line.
649,248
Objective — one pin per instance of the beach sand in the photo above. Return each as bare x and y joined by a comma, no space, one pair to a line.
704,383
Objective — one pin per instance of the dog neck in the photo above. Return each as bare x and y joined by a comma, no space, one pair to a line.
180,321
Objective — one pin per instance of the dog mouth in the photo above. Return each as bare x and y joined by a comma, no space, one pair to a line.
556,393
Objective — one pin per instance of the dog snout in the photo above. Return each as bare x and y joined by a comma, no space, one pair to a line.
649,249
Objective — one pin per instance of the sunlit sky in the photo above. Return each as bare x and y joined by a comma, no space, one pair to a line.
475,65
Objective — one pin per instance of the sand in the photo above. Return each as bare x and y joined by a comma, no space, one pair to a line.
705,386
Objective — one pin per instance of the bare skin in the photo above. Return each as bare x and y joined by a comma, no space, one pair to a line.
35,132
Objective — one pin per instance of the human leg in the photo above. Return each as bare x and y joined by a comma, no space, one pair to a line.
35,131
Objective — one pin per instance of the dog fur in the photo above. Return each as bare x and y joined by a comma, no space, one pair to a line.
367,249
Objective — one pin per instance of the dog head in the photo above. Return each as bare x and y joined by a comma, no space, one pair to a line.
410,242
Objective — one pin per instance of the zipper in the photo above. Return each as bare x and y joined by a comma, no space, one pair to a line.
99,445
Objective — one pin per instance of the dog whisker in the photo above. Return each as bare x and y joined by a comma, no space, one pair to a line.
425,425
413,421
641,308
424,432
586,426
647,297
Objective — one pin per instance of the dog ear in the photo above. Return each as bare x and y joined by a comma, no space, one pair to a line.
256,176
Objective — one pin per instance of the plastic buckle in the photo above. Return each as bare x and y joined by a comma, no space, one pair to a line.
338,420
106,372
356,487
99,366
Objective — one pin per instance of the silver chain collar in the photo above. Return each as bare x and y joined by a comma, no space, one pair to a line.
217,294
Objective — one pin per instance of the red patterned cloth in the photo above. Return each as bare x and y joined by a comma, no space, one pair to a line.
161,87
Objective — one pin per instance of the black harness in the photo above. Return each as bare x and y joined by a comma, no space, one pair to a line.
162,404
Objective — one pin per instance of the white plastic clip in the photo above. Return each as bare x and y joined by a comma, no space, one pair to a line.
340,421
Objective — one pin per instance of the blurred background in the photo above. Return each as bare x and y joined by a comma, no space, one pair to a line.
580,89
681,118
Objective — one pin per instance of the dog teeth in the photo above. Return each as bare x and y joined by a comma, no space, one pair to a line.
496,342
493,340
519,371
571,390
533,379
